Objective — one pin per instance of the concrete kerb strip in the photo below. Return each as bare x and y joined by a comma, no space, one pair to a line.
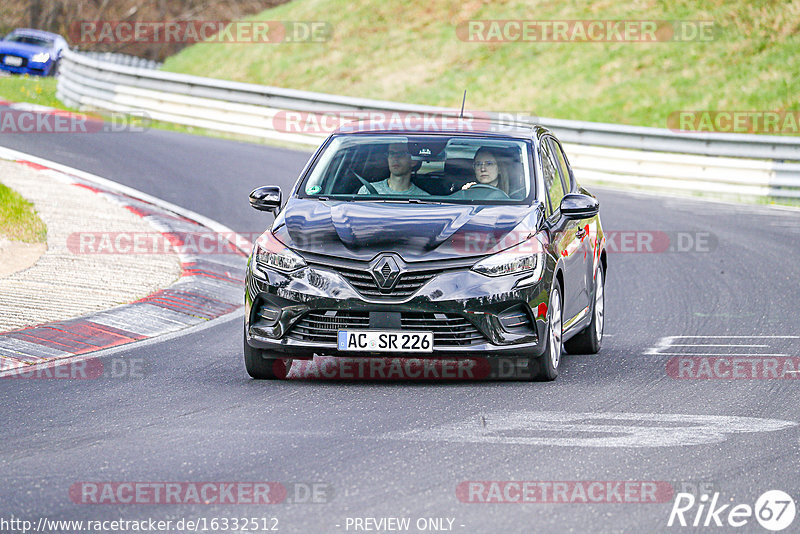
7,153
69,280
209,289
41,368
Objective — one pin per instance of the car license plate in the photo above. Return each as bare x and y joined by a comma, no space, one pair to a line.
385,341
13,61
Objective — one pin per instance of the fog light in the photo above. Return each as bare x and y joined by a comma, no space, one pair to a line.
515,320
267,314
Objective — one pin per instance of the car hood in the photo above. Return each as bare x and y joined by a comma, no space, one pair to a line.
21,49
417,232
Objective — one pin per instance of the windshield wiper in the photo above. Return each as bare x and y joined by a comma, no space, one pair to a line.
421,201
379,198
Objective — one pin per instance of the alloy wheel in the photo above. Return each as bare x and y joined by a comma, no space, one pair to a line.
555,329
599,303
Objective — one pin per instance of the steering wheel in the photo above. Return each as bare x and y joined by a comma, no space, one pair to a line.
369,186
500,194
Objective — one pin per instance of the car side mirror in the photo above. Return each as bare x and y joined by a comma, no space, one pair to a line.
266,198
579,206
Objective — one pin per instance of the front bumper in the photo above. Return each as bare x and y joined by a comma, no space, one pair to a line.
474,302
34,69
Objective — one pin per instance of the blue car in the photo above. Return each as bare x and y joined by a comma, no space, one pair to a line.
27,51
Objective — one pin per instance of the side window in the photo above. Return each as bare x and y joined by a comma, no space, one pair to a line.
561,159
552,179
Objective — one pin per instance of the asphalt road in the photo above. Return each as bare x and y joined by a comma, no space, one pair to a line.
401,449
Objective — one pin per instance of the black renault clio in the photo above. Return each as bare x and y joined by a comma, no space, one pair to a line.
429,242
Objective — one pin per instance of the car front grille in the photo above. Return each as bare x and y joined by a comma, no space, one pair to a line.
449,329
23,64
411,279
407,284
413,275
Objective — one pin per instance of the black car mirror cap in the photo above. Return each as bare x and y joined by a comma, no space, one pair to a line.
266,198
579,206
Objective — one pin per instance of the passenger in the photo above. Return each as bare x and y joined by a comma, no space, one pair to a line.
487,170
399,180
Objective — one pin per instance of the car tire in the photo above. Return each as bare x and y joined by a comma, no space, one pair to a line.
590,339
545,367
55,68
260,365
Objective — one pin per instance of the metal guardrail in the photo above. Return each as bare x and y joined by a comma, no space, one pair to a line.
123,59
750,165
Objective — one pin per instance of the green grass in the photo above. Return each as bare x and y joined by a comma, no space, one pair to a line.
34,89
410,52
18,219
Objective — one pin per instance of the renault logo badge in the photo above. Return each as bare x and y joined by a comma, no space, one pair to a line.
385,271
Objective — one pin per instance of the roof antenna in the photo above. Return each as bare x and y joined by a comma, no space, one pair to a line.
463,100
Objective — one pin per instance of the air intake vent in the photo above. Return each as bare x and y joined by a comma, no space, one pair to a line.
516,320
449,330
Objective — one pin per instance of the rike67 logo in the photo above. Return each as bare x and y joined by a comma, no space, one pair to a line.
774,510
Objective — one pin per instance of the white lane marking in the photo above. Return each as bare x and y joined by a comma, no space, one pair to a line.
695,345
714,345
29,106
567,429
720,354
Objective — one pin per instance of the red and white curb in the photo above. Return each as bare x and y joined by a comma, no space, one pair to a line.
210,285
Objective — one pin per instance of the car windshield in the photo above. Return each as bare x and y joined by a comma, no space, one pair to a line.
29,39
432,168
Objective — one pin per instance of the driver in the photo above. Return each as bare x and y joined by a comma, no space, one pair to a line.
487,170
399,180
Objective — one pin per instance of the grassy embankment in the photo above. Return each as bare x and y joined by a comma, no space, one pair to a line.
18,219
34,89
414,53
411,52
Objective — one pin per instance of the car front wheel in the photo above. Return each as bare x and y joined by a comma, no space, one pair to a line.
589,340
261,365
545,367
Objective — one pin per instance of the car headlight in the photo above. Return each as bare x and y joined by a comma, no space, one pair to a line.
269,253
526,257
41,57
